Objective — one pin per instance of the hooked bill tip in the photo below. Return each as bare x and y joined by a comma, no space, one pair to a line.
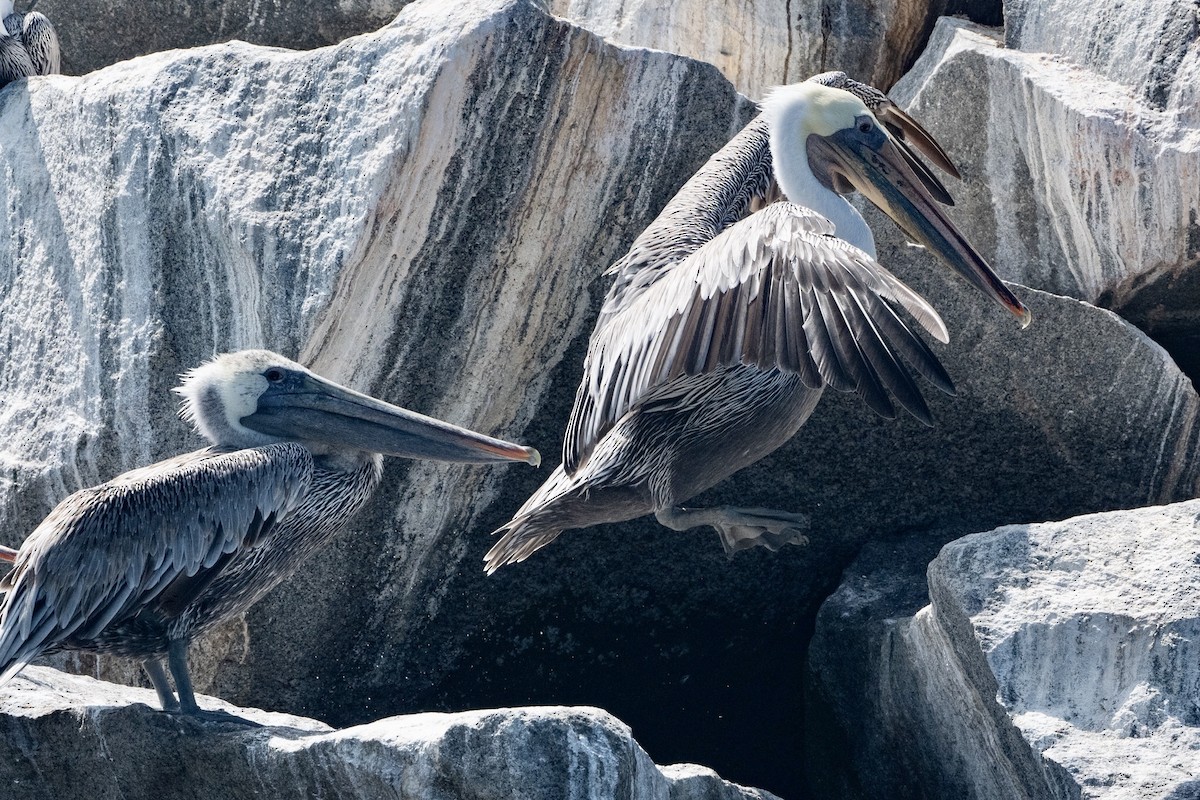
534,458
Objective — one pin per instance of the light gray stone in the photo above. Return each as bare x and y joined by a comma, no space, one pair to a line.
1152,46
65,736
1056,660
1072,183
1075,181
758,44
1089,629
99,33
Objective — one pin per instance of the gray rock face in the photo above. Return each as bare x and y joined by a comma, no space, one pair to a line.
1056,660
758,44
64,736
1077,181
1079,186
424,213
99,33
1152,47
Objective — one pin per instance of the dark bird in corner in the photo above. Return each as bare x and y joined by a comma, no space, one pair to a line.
28,44
141,565
753,290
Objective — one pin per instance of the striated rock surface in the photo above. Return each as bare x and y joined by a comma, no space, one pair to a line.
99,33
758,44
1077,181
1152,47
424,213
421,213
1056,660
64,736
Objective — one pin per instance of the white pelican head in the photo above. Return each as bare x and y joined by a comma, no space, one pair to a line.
255,397
825,143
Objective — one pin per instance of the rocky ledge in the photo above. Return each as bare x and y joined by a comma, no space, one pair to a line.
70,736
1055,660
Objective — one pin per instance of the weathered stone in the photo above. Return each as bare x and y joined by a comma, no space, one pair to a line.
64,737
99,33
1152,46
758,44
867,750
1112,219
1074,183
1056,660
888,721
425,213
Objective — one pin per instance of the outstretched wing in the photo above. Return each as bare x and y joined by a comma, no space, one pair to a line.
778,291
106,552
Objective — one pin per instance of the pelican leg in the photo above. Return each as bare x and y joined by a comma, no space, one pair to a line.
740,528
158,677
177,661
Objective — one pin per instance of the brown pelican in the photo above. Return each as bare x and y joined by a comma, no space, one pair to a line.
142,564
721,329
28,45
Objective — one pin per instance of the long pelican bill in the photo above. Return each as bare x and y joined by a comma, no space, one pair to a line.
306,406
867,158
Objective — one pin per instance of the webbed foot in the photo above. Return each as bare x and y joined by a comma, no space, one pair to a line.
741,528
215,716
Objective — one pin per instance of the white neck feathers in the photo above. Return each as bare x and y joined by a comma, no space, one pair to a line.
788,110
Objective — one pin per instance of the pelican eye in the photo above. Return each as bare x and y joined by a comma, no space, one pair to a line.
274,375
865,125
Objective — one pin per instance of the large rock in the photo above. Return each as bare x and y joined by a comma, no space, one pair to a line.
425,213
758,44
1152,47
64,736
1078,182
99,33
1056,660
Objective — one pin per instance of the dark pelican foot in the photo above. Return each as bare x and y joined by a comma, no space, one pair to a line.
216,716
186,705
741,528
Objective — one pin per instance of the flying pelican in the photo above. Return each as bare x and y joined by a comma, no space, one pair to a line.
721,329
141,565
28,46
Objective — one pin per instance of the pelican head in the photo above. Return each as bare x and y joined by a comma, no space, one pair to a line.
825,142
255,397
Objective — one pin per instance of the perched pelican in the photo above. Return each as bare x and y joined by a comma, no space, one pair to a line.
28,46
721,329
144,563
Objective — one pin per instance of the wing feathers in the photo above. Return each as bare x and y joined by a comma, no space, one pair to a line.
776,291
110,550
